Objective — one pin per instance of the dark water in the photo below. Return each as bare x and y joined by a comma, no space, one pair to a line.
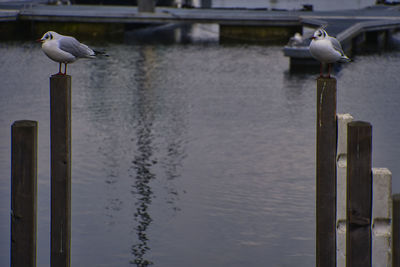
197,155
189,155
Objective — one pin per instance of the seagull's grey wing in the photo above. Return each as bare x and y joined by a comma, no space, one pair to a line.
73,46
336,45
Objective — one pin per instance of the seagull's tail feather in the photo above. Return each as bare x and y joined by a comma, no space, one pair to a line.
101,53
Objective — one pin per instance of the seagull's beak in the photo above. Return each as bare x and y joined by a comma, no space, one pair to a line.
39,40
312,38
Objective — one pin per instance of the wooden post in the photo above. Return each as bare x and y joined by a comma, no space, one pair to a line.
206,3
326,173
146,5
359,194
60,124
23,193
396,231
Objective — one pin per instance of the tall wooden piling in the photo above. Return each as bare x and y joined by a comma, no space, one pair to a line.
326,173
206,3
396,231
146,5
359,194
23,193
60,134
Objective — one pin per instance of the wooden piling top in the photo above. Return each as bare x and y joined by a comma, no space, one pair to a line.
25,123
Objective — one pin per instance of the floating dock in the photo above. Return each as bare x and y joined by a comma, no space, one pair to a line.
371,25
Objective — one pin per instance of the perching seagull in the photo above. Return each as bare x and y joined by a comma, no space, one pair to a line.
65,49
296,40
326,49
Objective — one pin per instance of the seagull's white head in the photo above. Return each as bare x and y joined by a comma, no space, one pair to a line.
48,36
319,34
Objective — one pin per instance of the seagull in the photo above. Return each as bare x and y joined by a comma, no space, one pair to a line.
65,49
327,50
296,40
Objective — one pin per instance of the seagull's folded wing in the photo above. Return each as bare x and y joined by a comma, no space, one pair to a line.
74,47
336,45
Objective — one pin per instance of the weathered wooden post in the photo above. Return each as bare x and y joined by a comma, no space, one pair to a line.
146,5
60,134
23,193
326,173
206,3
359,194
396,231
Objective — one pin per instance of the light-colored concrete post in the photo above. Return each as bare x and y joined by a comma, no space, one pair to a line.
381,217
341,172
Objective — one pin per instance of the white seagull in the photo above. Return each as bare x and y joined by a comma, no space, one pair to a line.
65,49
296,40
327,50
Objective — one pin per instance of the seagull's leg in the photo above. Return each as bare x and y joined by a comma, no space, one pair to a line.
59,69
320,70
329,69
65,72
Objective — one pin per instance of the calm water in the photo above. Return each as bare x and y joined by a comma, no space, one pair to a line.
189,155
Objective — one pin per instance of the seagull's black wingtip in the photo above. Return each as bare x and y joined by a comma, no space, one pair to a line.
104,54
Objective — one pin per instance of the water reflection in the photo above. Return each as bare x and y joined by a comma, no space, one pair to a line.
143,175
143,161
139,116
